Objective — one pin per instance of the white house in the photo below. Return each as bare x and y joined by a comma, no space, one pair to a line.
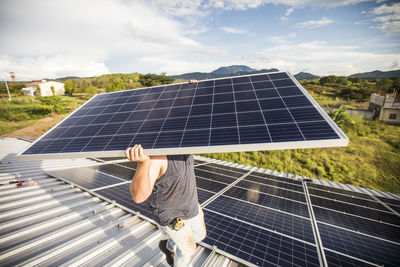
386,107
45,88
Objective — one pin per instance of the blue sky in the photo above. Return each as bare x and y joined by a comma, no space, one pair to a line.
54,38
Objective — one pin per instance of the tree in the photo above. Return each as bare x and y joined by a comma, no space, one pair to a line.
355,79
53,90
154,79
69,87
327,79
91,90
117,85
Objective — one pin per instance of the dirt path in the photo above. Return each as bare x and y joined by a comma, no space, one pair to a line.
39,128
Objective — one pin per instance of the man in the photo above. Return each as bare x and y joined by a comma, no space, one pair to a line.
168,182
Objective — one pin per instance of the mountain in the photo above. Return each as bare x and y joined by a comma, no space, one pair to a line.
305,76
229,71
377,74
233,70
196,76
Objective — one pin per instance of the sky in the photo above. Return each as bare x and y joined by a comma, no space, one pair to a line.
58,38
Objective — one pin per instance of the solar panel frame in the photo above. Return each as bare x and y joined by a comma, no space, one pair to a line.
94,146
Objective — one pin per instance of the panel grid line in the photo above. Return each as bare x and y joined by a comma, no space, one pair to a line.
266,207
287,108
317,237
359,233
349,256
353,204
126,120
141,125
187,119
260,227
212,112
384,204
357,216
262,113
166,117
226,189
236,116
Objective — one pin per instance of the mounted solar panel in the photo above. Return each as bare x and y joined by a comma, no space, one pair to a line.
244,113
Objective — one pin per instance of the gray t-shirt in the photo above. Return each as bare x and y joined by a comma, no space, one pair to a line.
175,194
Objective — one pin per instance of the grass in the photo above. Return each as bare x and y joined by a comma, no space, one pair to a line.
24,111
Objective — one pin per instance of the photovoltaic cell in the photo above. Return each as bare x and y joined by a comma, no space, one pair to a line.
253,112
203,195
369,213
235,172
209,185
256,245
277,178
275,183
349,199
86,177
360,246
269,201
280,192
357,224
340,191
336,259
273,220
116,170
122,195
390,201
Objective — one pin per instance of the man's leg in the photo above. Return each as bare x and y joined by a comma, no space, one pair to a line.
183,242
198,226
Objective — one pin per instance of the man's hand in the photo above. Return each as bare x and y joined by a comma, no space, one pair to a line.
148,170
137,154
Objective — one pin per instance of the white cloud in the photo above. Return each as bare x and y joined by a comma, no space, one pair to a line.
233,30
282,39
388,17
289,11
320,58
311,24
30,68
247,4
53,38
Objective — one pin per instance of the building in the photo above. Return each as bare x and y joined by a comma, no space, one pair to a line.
46,88
386,108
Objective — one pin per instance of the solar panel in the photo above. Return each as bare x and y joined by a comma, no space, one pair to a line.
253,112
86,177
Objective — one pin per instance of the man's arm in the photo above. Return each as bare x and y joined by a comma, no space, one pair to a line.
149,169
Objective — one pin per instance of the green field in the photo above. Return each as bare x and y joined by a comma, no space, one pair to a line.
24,111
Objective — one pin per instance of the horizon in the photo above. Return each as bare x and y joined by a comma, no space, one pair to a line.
244,74
54,39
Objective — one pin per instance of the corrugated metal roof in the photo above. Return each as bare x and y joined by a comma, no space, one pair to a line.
51,222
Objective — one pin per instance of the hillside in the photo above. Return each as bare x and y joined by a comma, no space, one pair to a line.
221,72
235,70
377,74
305,76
